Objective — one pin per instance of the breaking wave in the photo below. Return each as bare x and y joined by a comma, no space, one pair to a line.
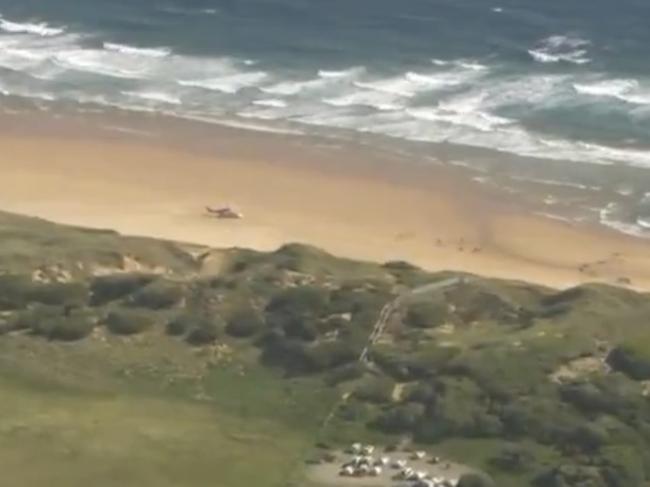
138,51
40,28
627,90
560,48
229,84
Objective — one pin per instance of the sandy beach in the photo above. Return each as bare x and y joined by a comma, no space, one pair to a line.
344,201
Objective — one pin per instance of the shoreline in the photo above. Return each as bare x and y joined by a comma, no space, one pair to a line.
348,200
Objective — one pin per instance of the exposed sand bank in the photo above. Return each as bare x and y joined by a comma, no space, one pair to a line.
428,216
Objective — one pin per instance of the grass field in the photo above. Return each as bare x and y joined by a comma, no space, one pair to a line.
68,420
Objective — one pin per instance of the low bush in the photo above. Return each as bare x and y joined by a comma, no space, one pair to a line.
17,291
245,323
328,355
375,390
14,291
475,480
181,324
400,265
157,295
71,328
426,314
301,300
631,359
105,289
204,330
56,322
129,321
513,458
71,294
402,418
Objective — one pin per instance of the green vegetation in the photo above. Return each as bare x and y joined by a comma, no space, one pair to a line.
246,359
128,321
426,314
245,323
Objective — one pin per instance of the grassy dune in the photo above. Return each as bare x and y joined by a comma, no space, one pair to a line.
129,361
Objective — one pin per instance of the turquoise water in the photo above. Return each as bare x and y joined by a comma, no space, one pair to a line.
562,81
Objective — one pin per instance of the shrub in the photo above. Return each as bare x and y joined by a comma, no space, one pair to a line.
401,419
129,321
297,358
409,366
328,355
37,320
59,294
297,311
204,331
345,373
400,265
56,322
180,324
632,360
303,300
350,300
245,323
157,295
563,297
569,475
589,437
14,291
375,390
303,329
623,465
475,480
513,458
105,289
71,328
17,291
426,314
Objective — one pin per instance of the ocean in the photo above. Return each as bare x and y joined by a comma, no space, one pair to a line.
561,84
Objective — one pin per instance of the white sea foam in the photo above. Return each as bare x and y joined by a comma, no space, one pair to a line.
611,217
396,86
474,119
559,48
171,9
100,62
230,84
155,96
614,88
471,65
554,216
555,182
575,57
412,83
345,73
271,102
39,28
374,99
461,63
289,88
156,52
628,90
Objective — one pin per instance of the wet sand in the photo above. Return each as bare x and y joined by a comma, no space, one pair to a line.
348,201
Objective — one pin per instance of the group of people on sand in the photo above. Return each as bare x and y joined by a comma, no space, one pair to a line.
461,246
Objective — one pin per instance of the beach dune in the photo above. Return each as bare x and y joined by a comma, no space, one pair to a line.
339,201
